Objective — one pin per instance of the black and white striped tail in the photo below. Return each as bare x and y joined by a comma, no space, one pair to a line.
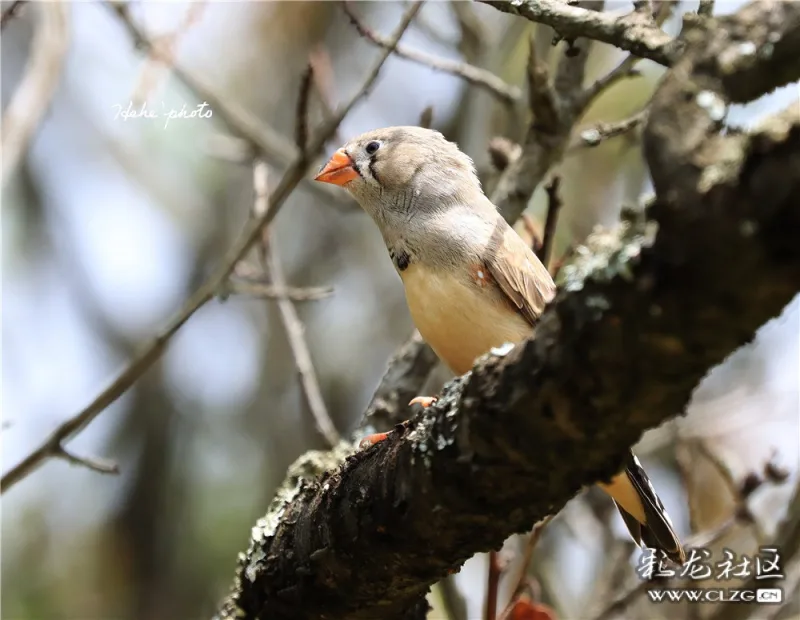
657,533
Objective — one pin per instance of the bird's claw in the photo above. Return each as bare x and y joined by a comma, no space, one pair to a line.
371,440
424,401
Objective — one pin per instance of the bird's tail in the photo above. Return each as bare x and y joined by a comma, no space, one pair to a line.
643,512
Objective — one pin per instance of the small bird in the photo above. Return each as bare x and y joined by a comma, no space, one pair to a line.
471,282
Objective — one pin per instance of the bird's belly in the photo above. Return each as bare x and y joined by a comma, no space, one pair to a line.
459,321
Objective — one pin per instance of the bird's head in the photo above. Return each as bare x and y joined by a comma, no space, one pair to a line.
397,173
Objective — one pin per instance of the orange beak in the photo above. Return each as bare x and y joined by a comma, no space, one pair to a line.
339,170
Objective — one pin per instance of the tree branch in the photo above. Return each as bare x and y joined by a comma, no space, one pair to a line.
39,82
635,32
260,136
471,74
722,65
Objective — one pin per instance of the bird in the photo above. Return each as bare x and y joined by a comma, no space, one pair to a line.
471,283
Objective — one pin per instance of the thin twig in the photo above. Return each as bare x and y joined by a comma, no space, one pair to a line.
472,28
262,290
162,60
706,8
664,10
455,607
322,75
503,152
492,583
239,120
153,350
541,98
476,76
625,69
430,29
11,12
600,132
301,116
101,466
522,573
35,92
291,321
553,208
643,6
571,69
704,539
426,117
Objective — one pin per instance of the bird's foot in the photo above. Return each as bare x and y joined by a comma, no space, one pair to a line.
371,440
425,401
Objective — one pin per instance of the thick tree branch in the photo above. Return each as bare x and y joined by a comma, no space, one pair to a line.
732,59
636,32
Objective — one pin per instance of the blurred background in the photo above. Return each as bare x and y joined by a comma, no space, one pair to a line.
108,225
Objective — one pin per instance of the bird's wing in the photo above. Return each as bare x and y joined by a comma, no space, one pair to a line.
518,272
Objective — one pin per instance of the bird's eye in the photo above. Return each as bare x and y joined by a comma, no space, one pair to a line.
372,147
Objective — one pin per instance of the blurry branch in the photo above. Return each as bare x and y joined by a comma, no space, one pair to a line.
406,374
690,110
291,321
739,492
476,76
101,466
38,85
492,584
259,289
252,232
426,117
741,514
554,205
430,29
322,75
10,12
502,152
473,30
555,108
455,607
787,542
301,116
698,541
522,574
262,137
600,132
164,58
636,32
625,69
706,8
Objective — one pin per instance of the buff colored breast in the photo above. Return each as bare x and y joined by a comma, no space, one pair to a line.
459,321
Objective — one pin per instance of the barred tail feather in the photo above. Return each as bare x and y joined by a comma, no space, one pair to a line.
657,531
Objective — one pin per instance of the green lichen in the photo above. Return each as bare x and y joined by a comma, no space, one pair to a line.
608,253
